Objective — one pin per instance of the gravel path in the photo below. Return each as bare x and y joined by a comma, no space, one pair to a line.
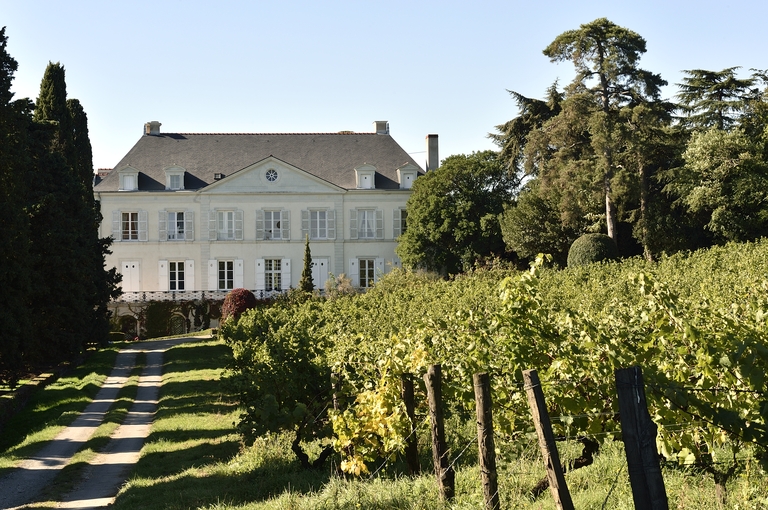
108,471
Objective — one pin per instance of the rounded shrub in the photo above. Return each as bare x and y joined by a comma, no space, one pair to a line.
591,248
237,302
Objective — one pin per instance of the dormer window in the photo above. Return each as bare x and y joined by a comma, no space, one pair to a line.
129,180
365,177
406,174
174,178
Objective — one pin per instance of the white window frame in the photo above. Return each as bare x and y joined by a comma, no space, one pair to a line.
214,266
225,275
265,278
119,233
273,225
171,220
366,221
172,174
176,272
214,233
399,222
312,224
357,266
129,181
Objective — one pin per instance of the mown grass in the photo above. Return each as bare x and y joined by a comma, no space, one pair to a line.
54,407
194,459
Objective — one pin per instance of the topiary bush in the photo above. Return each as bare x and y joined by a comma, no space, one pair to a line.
236,302
591,248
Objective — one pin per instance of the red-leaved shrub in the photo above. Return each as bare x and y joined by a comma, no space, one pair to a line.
236,302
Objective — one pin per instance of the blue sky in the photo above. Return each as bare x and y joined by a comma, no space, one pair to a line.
326,66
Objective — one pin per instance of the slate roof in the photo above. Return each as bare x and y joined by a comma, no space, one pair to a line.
329,156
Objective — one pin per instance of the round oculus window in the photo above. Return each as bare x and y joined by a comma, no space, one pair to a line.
271,175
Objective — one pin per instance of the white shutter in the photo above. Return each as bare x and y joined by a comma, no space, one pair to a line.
143,220
116,226
353,223
162,275
238,225
396,224
379,272
285,224
304,223
189,226
189,275
379,224
238,273
213,275
285,274
260,282
354,272
162,226
259,225
212,236
331,215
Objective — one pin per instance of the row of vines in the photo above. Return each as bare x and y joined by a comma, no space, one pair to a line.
330,369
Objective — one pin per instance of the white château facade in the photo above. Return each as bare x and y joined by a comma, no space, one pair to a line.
202,214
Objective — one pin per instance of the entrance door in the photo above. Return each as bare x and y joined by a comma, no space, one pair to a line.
319,272
131,276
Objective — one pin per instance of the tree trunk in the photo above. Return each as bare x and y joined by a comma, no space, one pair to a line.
644,214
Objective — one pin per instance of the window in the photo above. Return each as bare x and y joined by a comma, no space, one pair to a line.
318,224
272,227
176,226
226,225
272,274
175,181
226,274
366,224
367,272
129,182
176,275
399,217
130,226
174,178
271,175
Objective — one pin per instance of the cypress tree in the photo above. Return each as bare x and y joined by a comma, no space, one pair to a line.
82,153
14,227
307,284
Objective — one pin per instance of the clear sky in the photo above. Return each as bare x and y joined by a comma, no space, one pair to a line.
426,66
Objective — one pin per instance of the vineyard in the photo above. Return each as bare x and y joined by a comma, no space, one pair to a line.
330,370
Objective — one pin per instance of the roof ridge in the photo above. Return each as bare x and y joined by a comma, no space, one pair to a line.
343,133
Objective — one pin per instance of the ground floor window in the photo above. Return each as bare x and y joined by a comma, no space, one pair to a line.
176,275
226,274
367,272
272,274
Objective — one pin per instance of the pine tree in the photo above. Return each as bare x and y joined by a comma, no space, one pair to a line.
82,152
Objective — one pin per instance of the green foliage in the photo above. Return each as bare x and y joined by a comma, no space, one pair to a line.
236,302
453,213
591,248
279,372
306,283
724,180
533,225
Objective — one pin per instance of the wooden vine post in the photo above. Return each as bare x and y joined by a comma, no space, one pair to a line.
443,471
411,443
557,485
639,434
485,445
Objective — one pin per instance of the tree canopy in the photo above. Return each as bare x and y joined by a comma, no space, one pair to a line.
453,213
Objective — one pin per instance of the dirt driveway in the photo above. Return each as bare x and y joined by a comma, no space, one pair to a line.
109,470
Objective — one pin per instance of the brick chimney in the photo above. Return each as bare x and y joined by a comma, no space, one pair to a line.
433,161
